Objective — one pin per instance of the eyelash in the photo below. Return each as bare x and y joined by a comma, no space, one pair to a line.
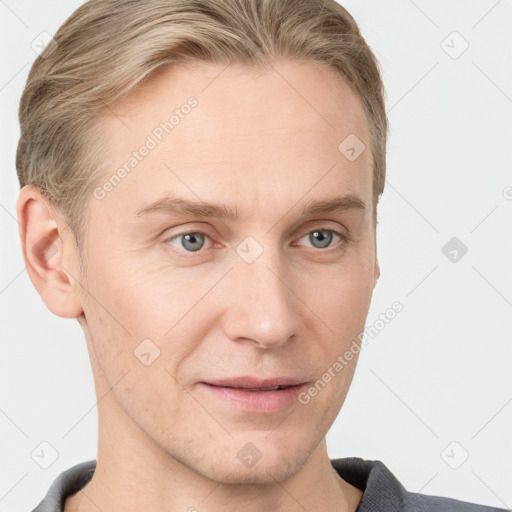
345,240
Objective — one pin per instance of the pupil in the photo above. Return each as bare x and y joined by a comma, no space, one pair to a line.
192,238
324,240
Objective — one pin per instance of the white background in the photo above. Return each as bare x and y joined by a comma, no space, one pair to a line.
439,372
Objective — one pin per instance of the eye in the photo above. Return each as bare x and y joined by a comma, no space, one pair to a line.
191,241
321,238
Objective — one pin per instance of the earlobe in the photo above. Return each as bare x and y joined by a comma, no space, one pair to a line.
43,247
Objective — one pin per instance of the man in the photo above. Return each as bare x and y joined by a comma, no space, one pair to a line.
199,189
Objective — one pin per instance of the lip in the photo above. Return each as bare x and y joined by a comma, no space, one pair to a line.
245,399
250,382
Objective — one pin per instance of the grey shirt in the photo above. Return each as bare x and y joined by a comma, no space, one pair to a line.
382,491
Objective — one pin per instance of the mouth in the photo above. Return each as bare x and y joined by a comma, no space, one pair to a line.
256,383
260,397
251,389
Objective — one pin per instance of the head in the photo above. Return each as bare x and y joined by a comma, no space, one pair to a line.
270,117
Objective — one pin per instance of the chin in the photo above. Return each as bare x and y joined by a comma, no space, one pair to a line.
262,463
263,473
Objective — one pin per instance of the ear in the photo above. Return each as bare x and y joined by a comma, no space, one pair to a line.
44,246
376,268
376,271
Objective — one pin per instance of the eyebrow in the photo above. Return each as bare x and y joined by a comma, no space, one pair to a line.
170,205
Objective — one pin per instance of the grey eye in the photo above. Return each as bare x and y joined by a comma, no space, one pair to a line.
320,238
193,241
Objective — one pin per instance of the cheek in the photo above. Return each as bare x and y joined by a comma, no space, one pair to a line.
324,398
340,295
138,314
142,301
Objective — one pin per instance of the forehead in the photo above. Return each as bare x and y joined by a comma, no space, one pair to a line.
258,132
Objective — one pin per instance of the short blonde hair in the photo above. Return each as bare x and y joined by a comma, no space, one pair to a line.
107,47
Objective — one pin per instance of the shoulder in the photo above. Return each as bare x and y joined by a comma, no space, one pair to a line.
384,492
67,483
415,502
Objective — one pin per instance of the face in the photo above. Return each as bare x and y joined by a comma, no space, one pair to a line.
178,297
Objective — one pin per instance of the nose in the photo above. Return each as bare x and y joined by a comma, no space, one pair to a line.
260,304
